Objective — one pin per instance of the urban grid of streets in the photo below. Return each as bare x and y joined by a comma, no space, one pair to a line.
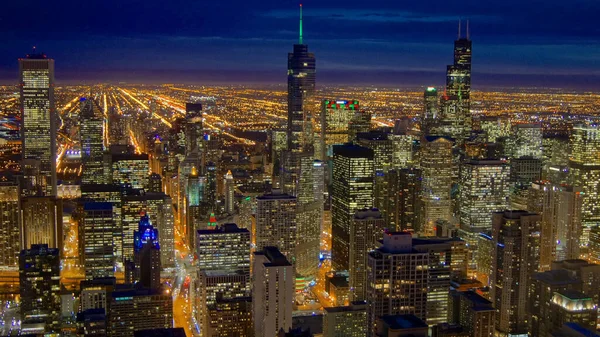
238,109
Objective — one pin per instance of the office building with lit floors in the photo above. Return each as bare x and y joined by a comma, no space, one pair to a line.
273,289
97,229
447,261
145,267
584,172
92,142
397,279
221,290
38,128
437,172
516,241
365,233
484,189
276,223
42,222
10,224
353,179
225,248
347,321
472,313
39,279
561,231
136,309
129,170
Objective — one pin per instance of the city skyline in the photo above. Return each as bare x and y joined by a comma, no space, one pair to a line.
374,43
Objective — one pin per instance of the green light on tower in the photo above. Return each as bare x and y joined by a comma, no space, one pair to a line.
300,24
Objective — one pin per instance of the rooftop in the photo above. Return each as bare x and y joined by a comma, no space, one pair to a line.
408,321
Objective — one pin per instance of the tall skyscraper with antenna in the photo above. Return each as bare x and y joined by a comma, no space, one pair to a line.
456,102
301,85
38,131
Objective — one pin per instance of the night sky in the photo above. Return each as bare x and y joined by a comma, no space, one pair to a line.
356,42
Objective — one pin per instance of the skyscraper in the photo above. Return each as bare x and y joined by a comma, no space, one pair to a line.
138,309
39,279
430,111
484,190
561,230
352,191
273,292
437,172
455,104
397,280
336,116
516,241
229,192
145,267
92,142
38,130
10,224
584,172
365,233
42,222
226,247
348,321
276,223
97,230
131,170
301,85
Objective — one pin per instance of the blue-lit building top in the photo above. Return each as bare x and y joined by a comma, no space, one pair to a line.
146,234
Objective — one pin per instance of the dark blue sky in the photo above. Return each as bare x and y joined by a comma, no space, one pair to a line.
525,42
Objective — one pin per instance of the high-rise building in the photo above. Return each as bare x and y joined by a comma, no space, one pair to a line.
365,233
138,309
397,280
301,86
561,231
92,142
223,276
572,306
159,207
348,321
447,261
276,223
352,191
193,127
215,287
404,325
10,224
455,104
38,130
42,221
131,170
97,228
525,141
108,193
336,116
225,248
273,292
145,267
516,238
542,288
402,150
584,171
360,123
484,189
230,317
229,193
39,279
587,273
474,314
95,293
430,111
437,173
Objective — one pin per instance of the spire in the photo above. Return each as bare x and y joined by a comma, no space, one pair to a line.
300,24
468,32
459,30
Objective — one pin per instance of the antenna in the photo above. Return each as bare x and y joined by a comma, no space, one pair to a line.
34,50
459,30
300,24
468,32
